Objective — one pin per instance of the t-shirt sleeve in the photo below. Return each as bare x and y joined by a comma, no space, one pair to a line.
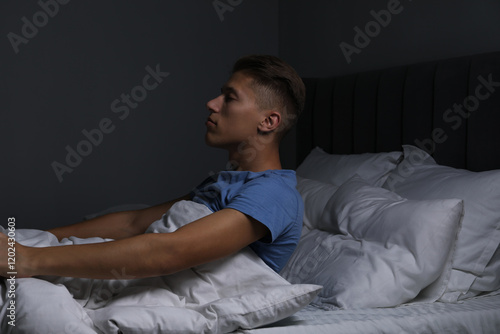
270,201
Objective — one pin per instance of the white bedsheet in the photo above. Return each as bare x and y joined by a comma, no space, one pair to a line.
478,315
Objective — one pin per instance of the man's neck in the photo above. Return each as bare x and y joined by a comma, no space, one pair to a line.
254,160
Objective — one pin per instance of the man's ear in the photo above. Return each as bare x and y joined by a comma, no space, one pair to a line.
271,122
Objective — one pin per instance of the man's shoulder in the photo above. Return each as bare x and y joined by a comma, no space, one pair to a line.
278,187
274,180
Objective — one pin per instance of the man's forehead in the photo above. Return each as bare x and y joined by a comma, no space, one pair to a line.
239,83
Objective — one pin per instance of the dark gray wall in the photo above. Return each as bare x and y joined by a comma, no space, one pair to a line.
311,32
66,75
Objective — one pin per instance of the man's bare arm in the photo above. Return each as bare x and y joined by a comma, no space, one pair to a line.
116,225
212,237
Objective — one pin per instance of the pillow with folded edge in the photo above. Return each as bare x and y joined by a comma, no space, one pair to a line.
476,261
376,249
338,168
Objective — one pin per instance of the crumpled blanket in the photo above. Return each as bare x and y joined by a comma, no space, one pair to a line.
239,291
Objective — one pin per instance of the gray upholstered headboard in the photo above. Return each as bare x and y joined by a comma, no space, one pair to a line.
450,107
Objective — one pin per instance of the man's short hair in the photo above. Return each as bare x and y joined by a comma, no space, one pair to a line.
277,85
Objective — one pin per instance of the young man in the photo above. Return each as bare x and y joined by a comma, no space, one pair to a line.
254,204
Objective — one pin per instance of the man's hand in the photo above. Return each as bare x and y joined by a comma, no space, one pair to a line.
12,263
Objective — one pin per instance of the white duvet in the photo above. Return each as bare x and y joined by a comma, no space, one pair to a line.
239,291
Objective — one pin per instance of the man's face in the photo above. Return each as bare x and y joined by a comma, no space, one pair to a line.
234,115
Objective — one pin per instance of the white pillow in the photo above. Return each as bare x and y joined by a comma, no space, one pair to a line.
337,169
315,195
474,270
377,249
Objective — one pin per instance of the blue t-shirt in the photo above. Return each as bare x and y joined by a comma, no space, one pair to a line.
269,197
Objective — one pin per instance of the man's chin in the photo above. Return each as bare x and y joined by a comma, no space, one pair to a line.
211,142
215,144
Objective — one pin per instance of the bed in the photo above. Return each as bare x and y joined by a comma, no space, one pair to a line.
399,170
375,151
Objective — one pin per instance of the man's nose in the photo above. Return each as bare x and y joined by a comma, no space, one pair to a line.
214,104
